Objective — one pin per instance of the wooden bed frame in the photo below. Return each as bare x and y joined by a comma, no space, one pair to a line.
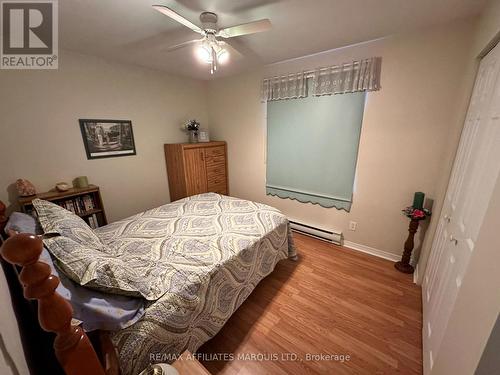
73,348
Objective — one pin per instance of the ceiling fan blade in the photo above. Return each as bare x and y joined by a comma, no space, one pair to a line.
246,28
183,44
177,17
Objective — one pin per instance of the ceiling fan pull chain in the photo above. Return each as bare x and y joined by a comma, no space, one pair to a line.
214,59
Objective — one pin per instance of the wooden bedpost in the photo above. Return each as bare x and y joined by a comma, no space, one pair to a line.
72,346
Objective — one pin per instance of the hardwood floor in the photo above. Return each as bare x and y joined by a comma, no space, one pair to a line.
333,300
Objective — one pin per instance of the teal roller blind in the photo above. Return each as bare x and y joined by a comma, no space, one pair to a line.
312,148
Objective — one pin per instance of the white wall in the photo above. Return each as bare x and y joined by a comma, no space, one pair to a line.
40,136
410,130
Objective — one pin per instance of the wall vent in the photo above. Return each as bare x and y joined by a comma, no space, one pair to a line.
322,234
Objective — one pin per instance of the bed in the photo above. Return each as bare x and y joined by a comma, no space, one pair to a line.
193,261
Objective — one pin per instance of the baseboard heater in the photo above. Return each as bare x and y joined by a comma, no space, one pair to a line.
321,234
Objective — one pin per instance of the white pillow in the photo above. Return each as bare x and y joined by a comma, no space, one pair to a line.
57,220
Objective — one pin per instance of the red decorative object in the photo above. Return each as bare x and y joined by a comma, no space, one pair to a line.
25,188
416,213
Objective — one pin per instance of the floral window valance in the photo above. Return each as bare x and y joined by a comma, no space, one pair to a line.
290,86
360,75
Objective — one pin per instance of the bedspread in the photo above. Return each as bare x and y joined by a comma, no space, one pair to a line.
213,251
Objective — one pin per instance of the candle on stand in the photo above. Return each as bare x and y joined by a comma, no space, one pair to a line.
418,200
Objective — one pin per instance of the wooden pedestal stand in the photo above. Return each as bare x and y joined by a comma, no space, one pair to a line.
404,264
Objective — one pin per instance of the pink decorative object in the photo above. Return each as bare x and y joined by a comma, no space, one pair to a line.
416,213
25,188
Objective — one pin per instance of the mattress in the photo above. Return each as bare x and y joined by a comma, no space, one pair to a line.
213,251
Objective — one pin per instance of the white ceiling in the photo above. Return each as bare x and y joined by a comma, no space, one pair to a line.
131,31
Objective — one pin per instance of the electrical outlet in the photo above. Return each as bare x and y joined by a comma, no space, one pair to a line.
353,225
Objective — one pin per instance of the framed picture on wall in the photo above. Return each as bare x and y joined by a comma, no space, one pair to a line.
107,138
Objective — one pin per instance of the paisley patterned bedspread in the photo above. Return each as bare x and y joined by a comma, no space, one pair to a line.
218,249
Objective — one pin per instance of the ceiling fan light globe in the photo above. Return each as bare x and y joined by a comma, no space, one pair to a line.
223,56
204,54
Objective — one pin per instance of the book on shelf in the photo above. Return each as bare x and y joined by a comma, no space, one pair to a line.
93,222
79,205
69,206
87,204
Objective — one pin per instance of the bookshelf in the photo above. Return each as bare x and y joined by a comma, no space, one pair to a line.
84,202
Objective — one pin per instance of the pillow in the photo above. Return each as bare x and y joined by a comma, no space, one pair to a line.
23,223
81,255
74,241
57,220
96,310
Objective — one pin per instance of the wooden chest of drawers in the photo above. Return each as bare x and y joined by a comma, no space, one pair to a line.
195,168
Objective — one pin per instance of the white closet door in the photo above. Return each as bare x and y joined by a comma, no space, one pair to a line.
476,168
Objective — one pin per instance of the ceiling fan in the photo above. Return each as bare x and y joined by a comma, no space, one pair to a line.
212,50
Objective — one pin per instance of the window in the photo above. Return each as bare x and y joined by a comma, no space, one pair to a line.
312,148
